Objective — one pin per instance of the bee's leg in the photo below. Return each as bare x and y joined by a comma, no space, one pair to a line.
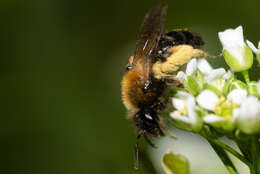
136,163
149,141
167,133
172,81
164,130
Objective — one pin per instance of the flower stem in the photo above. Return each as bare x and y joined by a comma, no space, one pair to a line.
229,149
246,76
255,156
258,58
224,158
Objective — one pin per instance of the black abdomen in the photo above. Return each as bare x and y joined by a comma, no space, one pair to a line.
180,37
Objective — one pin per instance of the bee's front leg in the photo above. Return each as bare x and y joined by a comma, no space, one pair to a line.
172,81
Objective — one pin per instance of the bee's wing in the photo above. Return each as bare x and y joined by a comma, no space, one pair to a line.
149,36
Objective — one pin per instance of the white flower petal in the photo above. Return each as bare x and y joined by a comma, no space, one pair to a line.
232,40
237,95
184,95
178,104
191,67
252,46
181,75
207,99
204,66
191,109
259,45
236,113
212,118
216,73
181,118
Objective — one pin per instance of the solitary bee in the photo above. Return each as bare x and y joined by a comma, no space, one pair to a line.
150,71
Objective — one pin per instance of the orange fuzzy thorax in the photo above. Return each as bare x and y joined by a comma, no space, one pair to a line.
133,95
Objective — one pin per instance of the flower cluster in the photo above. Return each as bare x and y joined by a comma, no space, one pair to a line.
216,97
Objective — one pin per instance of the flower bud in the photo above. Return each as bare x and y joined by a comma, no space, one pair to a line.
237,54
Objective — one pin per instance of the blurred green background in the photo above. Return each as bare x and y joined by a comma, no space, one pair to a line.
61,66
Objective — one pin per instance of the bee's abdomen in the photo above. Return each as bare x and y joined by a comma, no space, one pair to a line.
184,36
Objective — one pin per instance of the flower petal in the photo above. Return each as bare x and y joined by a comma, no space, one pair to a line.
178,104
212,118
184,95
216,73
259,45
252,46
191,109
191,67
181,75
207,99
237,95
181,118
204,66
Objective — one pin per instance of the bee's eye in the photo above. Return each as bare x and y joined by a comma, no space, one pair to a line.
128,67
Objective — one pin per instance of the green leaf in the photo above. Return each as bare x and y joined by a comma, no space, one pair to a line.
193,85
175,164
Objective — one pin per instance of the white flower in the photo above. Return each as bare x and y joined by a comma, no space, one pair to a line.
252,46
236,53
233,41
221,107
213,77
185,106
207,99
186,112
237,96
248,115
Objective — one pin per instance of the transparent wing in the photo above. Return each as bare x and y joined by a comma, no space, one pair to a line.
150,33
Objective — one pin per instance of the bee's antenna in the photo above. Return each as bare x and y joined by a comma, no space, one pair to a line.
214,56
136,165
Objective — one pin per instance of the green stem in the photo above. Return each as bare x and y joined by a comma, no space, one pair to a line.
224,158
246,76
258,58
255,156
229,149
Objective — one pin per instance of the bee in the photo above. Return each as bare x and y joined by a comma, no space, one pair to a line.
151,71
